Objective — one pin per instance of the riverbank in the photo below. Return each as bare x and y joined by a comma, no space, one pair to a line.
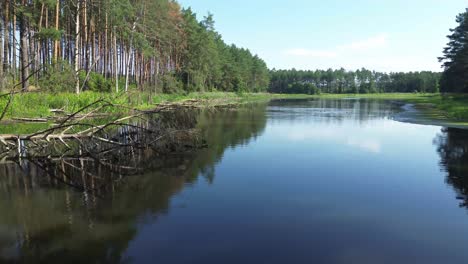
43,105
449,109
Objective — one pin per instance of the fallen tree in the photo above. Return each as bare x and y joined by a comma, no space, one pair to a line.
66,150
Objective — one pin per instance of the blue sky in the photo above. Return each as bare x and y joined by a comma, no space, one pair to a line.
384,35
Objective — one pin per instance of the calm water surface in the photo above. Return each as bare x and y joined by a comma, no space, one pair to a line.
319,181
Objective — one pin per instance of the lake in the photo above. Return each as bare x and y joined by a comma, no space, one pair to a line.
293,181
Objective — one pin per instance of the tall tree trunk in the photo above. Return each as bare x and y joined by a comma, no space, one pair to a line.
106,57
77,47
2,25
6,35
127,68
115,62
13,45
85,46
56,42
38,50
24,48
47,52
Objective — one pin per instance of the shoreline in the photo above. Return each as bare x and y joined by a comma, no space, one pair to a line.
34,109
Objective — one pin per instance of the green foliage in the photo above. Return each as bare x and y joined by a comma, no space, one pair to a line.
171,84
302,88
96,82
57,78
455,62
211,64
161,46
361,81
49,34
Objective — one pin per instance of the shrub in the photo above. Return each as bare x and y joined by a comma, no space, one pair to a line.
171,84
96,82
58,78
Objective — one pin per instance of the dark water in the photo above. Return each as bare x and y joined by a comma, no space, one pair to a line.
289,182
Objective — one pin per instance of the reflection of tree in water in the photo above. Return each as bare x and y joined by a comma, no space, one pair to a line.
334,111
228,129
452,146
42,219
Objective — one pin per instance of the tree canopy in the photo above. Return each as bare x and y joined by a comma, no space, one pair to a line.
360,81
455,58
111,45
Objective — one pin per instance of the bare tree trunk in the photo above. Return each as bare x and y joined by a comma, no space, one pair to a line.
13,46
85,46
6,35
56,43
77,47
127,68
115,62
37,54
93,53
106,57
2,25
24,48
46,42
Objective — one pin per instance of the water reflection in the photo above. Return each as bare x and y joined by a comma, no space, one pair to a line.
45,219
333,111
452,146
292,182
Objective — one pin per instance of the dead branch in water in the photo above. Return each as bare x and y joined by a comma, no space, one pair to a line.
133,130
90,155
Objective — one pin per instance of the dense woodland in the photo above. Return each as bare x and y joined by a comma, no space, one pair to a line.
112,45
454,79
360,81
455,58
157,46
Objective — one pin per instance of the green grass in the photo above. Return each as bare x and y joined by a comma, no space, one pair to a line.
450,108
38,105
22,128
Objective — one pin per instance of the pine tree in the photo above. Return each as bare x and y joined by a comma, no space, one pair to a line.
455,58
151,45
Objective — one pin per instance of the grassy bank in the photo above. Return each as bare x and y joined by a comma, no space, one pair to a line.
452,108
39,105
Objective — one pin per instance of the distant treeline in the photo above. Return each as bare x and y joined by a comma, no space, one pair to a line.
360,81
111,45
455,58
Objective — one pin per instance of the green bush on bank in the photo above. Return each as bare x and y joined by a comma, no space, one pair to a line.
39,104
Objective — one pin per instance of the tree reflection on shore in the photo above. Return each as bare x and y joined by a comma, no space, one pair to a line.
452,146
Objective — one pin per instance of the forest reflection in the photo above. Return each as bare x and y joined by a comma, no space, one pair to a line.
452,146
80,208
90,210
334,111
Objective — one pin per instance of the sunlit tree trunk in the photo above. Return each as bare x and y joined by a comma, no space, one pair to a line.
2,25
77,47
37,55
85,45
116,62
24,50
13,45
6,36
106,57
56,42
